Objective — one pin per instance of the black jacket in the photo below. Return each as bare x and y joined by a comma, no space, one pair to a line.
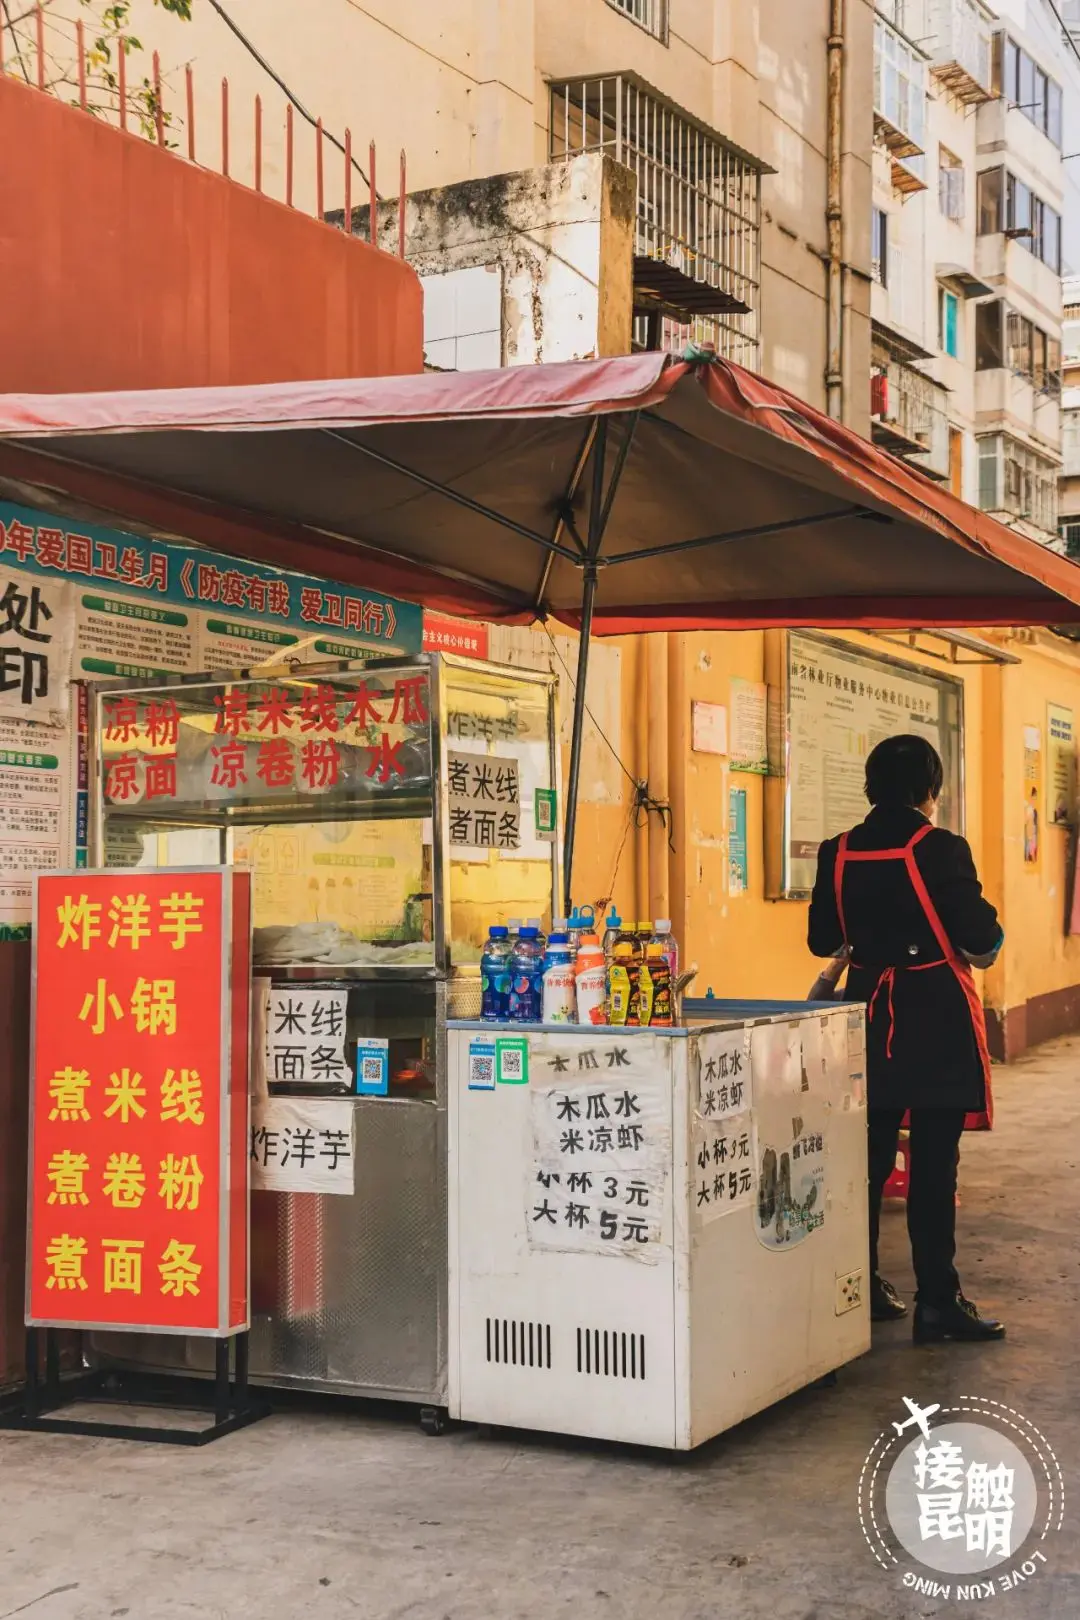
935,1060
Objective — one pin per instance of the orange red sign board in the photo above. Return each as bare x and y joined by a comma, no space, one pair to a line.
138,1172
462,636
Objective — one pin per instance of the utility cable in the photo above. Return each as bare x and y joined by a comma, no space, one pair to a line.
282,86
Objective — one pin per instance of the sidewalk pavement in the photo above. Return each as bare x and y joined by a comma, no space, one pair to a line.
330,1516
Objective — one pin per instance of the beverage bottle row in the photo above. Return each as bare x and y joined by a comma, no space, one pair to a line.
573,978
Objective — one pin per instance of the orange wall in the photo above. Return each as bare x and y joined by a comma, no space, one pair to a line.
127,267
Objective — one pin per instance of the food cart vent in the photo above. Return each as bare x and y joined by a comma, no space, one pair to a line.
610,1354
518,1344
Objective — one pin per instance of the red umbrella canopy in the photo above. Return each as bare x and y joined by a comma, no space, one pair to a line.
692,493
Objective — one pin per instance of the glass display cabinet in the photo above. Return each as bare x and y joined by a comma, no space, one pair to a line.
389,811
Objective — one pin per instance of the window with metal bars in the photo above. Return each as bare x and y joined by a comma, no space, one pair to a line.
1017,480
698,202
652,15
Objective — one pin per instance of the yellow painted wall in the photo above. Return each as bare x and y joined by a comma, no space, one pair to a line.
747,946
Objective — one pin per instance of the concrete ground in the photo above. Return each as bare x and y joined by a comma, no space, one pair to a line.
330,1516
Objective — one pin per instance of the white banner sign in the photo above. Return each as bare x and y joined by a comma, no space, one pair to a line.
305,1038
601,1117
302,1145
485,801
723,1073
37,628
723,1168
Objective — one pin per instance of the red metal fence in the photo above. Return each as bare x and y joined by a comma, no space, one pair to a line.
50,53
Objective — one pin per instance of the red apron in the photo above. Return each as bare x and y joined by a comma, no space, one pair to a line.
883,993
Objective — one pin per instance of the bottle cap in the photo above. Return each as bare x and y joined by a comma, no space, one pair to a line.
588,942
645,927
556,939
614,920
533,922
558,925
663,925
529,932
498,931
514,925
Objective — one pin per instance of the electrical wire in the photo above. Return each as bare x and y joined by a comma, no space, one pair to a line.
630,777
15,38
641,800
282,86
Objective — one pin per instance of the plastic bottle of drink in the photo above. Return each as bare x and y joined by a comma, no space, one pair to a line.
663,936
526,977
534,922
558,1001
591,976
621,977
514,927
495,976
612,929
658,968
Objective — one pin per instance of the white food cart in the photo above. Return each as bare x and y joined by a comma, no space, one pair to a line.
654,1234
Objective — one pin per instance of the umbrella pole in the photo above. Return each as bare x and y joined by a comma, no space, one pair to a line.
588,598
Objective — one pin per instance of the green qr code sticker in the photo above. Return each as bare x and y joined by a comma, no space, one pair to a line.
512,1062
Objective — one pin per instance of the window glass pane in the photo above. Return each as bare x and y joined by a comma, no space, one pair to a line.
949,338
1011,86
879,246
1038,112
1053,113
1038,358
1020,210
990,189
990,473
1026,94
1051,247
988,345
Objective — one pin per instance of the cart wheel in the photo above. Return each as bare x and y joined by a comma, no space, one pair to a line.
433,1419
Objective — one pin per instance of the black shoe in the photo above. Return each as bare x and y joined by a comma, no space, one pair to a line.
958,1320
885,1303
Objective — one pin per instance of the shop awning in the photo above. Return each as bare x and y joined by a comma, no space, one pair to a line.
683,494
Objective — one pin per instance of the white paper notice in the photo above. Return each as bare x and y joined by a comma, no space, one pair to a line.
37,631
723,1168
305,1038
302,1145
484,801
601,1119
723,1073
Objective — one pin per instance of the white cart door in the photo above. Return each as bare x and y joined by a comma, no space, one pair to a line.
561,1232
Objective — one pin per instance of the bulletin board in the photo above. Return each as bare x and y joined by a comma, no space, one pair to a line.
830,703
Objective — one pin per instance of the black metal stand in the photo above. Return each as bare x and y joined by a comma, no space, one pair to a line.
33,1408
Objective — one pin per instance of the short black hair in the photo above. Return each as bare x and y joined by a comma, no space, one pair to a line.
904,770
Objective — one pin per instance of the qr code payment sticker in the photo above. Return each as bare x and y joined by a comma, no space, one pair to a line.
371,1071
512,1065
482,1067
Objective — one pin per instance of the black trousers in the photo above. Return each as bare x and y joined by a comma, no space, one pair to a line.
931,1204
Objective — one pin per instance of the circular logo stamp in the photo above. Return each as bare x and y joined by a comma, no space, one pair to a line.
961,1502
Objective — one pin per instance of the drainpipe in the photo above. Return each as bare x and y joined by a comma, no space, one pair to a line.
834,213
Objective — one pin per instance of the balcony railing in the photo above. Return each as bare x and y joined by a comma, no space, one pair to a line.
1070,443
652,15
910,418
960,49
697,249
899,92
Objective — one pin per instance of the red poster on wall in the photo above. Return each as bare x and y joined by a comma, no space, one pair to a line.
138,1205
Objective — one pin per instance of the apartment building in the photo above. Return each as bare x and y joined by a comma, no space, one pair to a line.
721,112
969,243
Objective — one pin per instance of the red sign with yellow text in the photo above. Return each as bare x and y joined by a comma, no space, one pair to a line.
139,1107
